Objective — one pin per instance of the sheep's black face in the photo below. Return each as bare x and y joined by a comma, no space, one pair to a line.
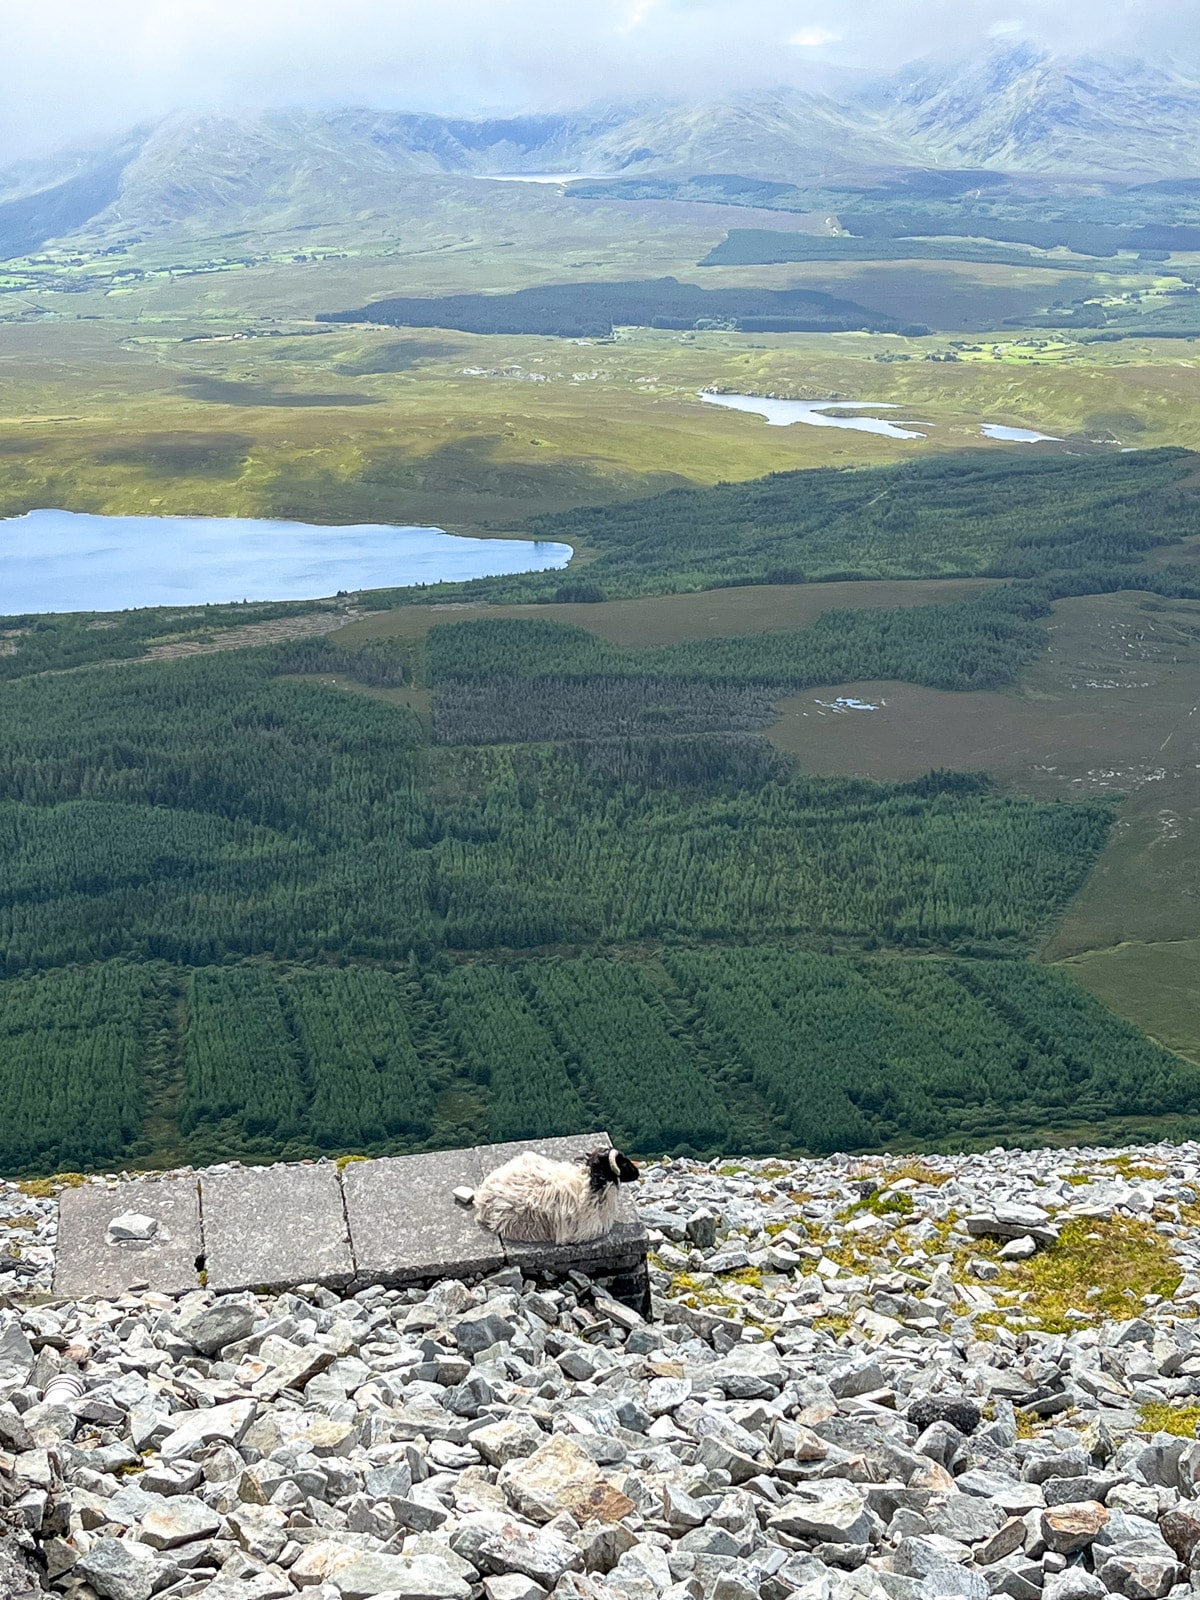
610,1166
627,1171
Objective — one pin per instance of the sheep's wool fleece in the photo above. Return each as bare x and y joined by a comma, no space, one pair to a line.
532,1198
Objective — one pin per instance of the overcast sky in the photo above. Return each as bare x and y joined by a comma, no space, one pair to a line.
90,65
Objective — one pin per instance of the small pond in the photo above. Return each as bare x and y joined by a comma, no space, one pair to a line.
73,561
997,430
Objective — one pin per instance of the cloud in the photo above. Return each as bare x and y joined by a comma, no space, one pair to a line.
814,37
106,66
640,10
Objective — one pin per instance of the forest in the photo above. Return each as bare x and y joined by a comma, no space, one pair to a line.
593,310
244,912
1076,525
967,515
760,1049
1098,219
757,247
132,823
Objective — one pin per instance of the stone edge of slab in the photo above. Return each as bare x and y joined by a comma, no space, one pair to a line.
346,1267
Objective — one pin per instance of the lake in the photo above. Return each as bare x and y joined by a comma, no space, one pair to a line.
819,413
542,177
76,561
844,414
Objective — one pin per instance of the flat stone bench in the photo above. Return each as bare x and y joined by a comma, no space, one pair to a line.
391,1221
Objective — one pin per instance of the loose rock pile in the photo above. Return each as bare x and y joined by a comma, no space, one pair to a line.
849,1391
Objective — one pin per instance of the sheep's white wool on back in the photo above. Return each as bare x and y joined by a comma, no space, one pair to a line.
532,1198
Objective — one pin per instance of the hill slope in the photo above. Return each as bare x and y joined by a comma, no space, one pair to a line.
1025,110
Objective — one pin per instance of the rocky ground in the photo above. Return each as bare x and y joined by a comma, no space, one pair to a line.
863,1380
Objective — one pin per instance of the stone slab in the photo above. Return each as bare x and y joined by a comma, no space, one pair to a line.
88,1263
393,1220
406,1224
267,1227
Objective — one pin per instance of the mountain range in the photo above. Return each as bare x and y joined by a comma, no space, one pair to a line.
1017,110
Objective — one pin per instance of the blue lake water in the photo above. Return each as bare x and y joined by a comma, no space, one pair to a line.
75,561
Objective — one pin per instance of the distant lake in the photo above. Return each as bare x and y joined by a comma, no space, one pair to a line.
74,561
542,177
820,413
845,414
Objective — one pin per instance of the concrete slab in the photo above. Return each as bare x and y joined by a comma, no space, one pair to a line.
272,1226
89,1261
406,1224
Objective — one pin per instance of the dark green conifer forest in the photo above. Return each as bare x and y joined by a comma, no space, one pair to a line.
244,911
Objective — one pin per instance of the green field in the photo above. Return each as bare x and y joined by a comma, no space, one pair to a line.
1157,986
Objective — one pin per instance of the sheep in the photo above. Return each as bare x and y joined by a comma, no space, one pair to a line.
532,1198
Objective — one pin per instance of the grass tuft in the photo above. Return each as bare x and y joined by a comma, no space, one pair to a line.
47,1188
880,1204
1100,1268
1159,1417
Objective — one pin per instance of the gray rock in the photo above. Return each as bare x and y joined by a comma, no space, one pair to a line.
218,1424
16,1354
512,1586
701,1229
513,1436
218,1325
1140,1577
860,1375
423,1577
1013,1497
965,1518
602,1547
120,1570
275,1225
833,1510
478,1331
1075,1583
925,1559
750,1372
420,1516
1019,1249
1061,1491
178,1521
941,1443
133,1225
533,1552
